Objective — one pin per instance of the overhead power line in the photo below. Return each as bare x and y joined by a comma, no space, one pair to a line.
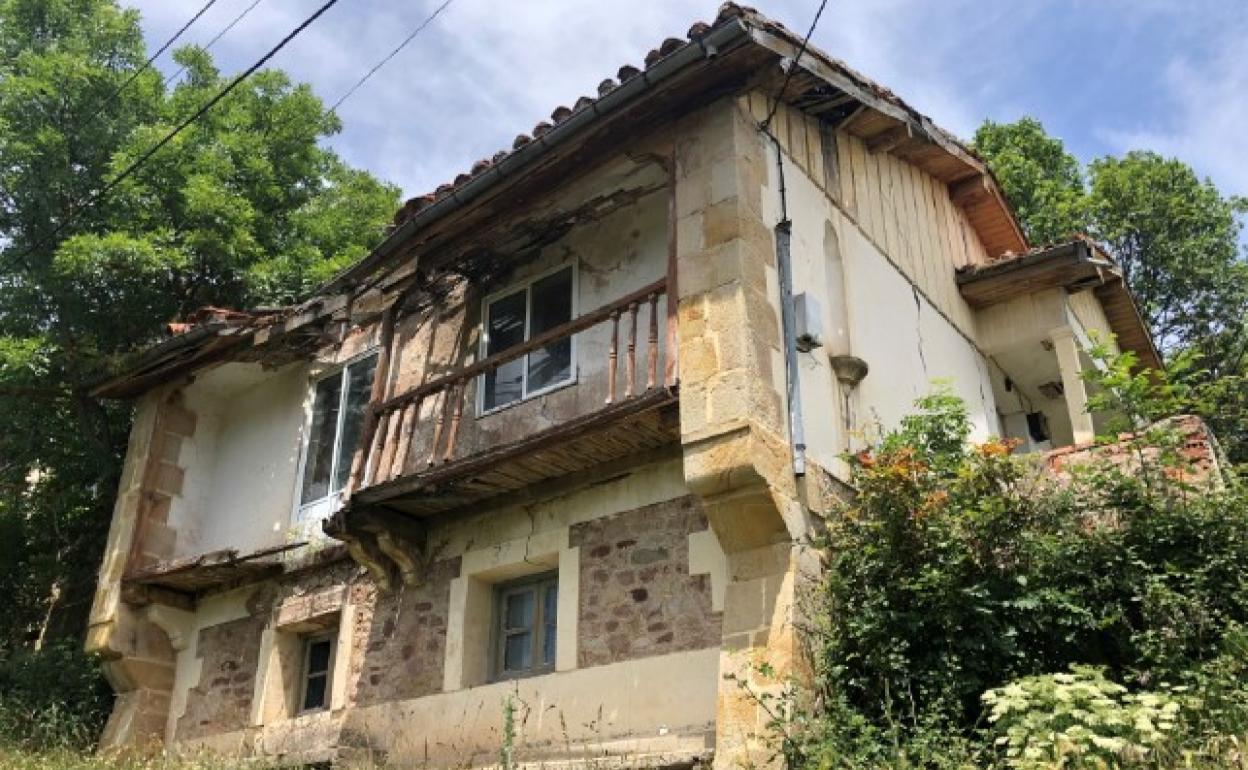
428,20
97,196
147,64
225,30
793,67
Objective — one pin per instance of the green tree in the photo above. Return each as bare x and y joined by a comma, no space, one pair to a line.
1042,181
1176,238
244,207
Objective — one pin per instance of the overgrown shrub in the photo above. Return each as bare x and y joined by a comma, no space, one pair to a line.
52,698
961,569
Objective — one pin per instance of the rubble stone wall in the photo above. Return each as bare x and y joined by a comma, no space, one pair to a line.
637,596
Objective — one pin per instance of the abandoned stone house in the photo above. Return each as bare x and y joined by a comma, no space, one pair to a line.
556,441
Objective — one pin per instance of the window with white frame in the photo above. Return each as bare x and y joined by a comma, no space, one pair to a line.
526,629
338,405
516,315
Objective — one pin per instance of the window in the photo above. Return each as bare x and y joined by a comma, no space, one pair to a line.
525,628
517,315
318,660
337,417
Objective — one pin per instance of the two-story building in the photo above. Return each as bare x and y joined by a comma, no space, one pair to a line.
547,456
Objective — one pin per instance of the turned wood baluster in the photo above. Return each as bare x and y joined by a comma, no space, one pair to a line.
612,355
440,409
630,387
406,427
652,351
455,417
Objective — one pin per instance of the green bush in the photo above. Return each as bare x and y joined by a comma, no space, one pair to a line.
959,570
53,698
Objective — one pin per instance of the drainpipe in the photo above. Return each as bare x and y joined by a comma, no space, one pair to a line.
784,263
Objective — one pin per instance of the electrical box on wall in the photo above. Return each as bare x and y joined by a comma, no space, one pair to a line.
807,322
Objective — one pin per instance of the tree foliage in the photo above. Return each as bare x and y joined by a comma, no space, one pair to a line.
1044,183
1176,237
961,569
244,207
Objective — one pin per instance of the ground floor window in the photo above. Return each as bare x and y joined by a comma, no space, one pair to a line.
526,614
318,659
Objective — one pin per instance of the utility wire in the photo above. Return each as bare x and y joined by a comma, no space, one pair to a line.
218,36
147,64
129,170
428,20
793,67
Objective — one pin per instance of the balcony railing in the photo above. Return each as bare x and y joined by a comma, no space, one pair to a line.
419,431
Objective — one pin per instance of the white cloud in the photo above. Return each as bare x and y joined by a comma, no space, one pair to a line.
484,71
1205,126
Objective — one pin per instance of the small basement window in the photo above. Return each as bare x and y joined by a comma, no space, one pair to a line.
318,662
513,317
526,614
338,406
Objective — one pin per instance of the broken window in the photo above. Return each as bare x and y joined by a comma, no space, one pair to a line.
338,405
516,316
318,659
526,632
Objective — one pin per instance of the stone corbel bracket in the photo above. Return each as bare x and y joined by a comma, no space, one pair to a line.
385,542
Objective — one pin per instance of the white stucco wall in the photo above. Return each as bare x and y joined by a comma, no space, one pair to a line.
242,463
908,345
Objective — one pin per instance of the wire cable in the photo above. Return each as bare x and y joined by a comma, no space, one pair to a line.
793,67
150,60
218,36
428,20
95,197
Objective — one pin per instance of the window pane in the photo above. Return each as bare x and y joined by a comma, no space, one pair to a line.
550,615
519,610
314,695
505,327
318,657
359,388
517,651
319,462
552,306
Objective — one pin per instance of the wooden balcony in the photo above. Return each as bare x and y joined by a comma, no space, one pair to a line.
416,459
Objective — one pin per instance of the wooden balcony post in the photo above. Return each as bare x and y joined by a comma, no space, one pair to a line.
440,409
381,377
652,344
671,367
612,355
406,428
458,394
390,436
630,386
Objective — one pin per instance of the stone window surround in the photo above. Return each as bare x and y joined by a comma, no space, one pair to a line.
279,676
470,621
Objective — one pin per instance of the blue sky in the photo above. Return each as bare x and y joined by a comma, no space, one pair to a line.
1106,76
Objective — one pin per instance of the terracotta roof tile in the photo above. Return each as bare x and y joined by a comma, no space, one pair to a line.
562,113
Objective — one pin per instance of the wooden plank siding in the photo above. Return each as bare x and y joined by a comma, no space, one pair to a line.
906,211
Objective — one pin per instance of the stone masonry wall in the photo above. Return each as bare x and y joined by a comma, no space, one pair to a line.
637,597
221,702
401,638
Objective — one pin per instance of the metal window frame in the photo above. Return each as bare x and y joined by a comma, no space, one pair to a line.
341,371
526,286
538,584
